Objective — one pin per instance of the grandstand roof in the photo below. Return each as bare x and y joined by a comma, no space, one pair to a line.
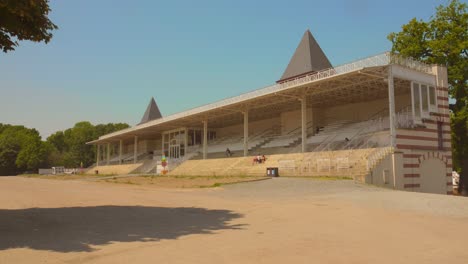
152,112
307,58
358,81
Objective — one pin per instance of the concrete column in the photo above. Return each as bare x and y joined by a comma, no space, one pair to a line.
391,107
108,154
120,151
246,133
98,153
194,136
135,149
205,139
185,142
304,123
312,121
162,145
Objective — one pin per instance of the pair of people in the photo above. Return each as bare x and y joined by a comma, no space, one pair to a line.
259,159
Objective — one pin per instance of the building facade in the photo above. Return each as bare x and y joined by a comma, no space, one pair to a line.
383,120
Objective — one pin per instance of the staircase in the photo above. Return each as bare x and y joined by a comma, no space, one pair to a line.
377,156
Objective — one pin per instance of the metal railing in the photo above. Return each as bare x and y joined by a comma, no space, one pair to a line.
404,118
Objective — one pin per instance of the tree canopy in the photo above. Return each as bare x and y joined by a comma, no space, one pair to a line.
24,20
70,147
21,148
444,40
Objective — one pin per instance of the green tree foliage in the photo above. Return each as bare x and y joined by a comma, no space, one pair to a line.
444,40
21,148
69,146
24,20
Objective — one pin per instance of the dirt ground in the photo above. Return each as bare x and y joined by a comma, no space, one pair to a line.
182,181
157,181
279,220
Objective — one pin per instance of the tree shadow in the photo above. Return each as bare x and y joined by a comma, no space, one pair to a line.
73,229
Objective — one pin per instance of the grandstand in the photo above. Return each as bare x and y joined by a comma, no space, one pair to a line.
382,120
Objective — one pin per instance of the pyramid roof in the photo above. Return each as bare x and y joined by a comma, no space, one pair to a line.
307,58
152,112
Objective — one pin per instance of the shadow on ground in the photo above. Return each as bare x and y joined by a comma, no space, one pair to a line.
80,228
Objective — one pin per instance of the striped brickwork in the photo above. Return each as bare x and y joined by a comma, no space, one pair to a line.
421,143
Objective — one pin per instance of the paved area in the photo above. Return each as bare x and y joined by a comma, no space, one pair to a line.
275,221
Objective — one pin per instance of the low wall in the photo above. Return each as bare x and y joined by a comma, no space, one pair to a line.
115,169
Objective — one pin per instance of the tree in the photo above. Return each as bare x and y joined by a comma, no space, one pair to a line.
69,146
24,20
444,40
21,149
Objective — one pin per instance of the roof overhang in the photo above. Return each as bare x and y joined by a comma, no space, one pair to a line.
344,84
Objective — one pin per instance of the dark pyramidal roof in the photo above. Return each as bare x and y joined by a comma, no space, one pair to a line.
152,112
307,58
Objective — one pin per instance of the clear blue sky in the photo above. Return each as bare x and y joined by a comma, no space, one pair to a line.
109,57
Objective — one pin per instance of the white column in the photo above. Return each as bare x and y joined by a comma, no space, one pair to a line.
391,107
246,133
162,145
120,151
185,142
98,154
108,154
205,138
194,136
135,149
304,122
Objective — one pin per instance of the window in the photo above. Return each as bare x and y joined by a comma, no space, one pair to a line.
423,100
416,101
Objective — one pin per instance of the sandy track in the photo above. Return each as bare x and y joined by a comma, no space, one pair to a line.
274,221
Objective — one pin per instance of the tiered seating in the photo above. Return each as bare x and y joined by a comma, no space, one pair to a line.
350,163
283,140
345,135
234,142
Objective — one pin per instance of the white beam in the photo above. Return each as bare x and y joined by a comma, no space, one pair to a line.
205,138
98,154
108,154
135,149
246,133
162,145
304,123
120,151
185,141
391,106
413,75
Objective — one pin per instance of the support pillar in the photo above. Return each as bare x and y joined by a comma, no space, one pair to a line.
186,142
108,154
162,145
246,133
135,149
205,138
98,154
391,107
304,123
120,150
